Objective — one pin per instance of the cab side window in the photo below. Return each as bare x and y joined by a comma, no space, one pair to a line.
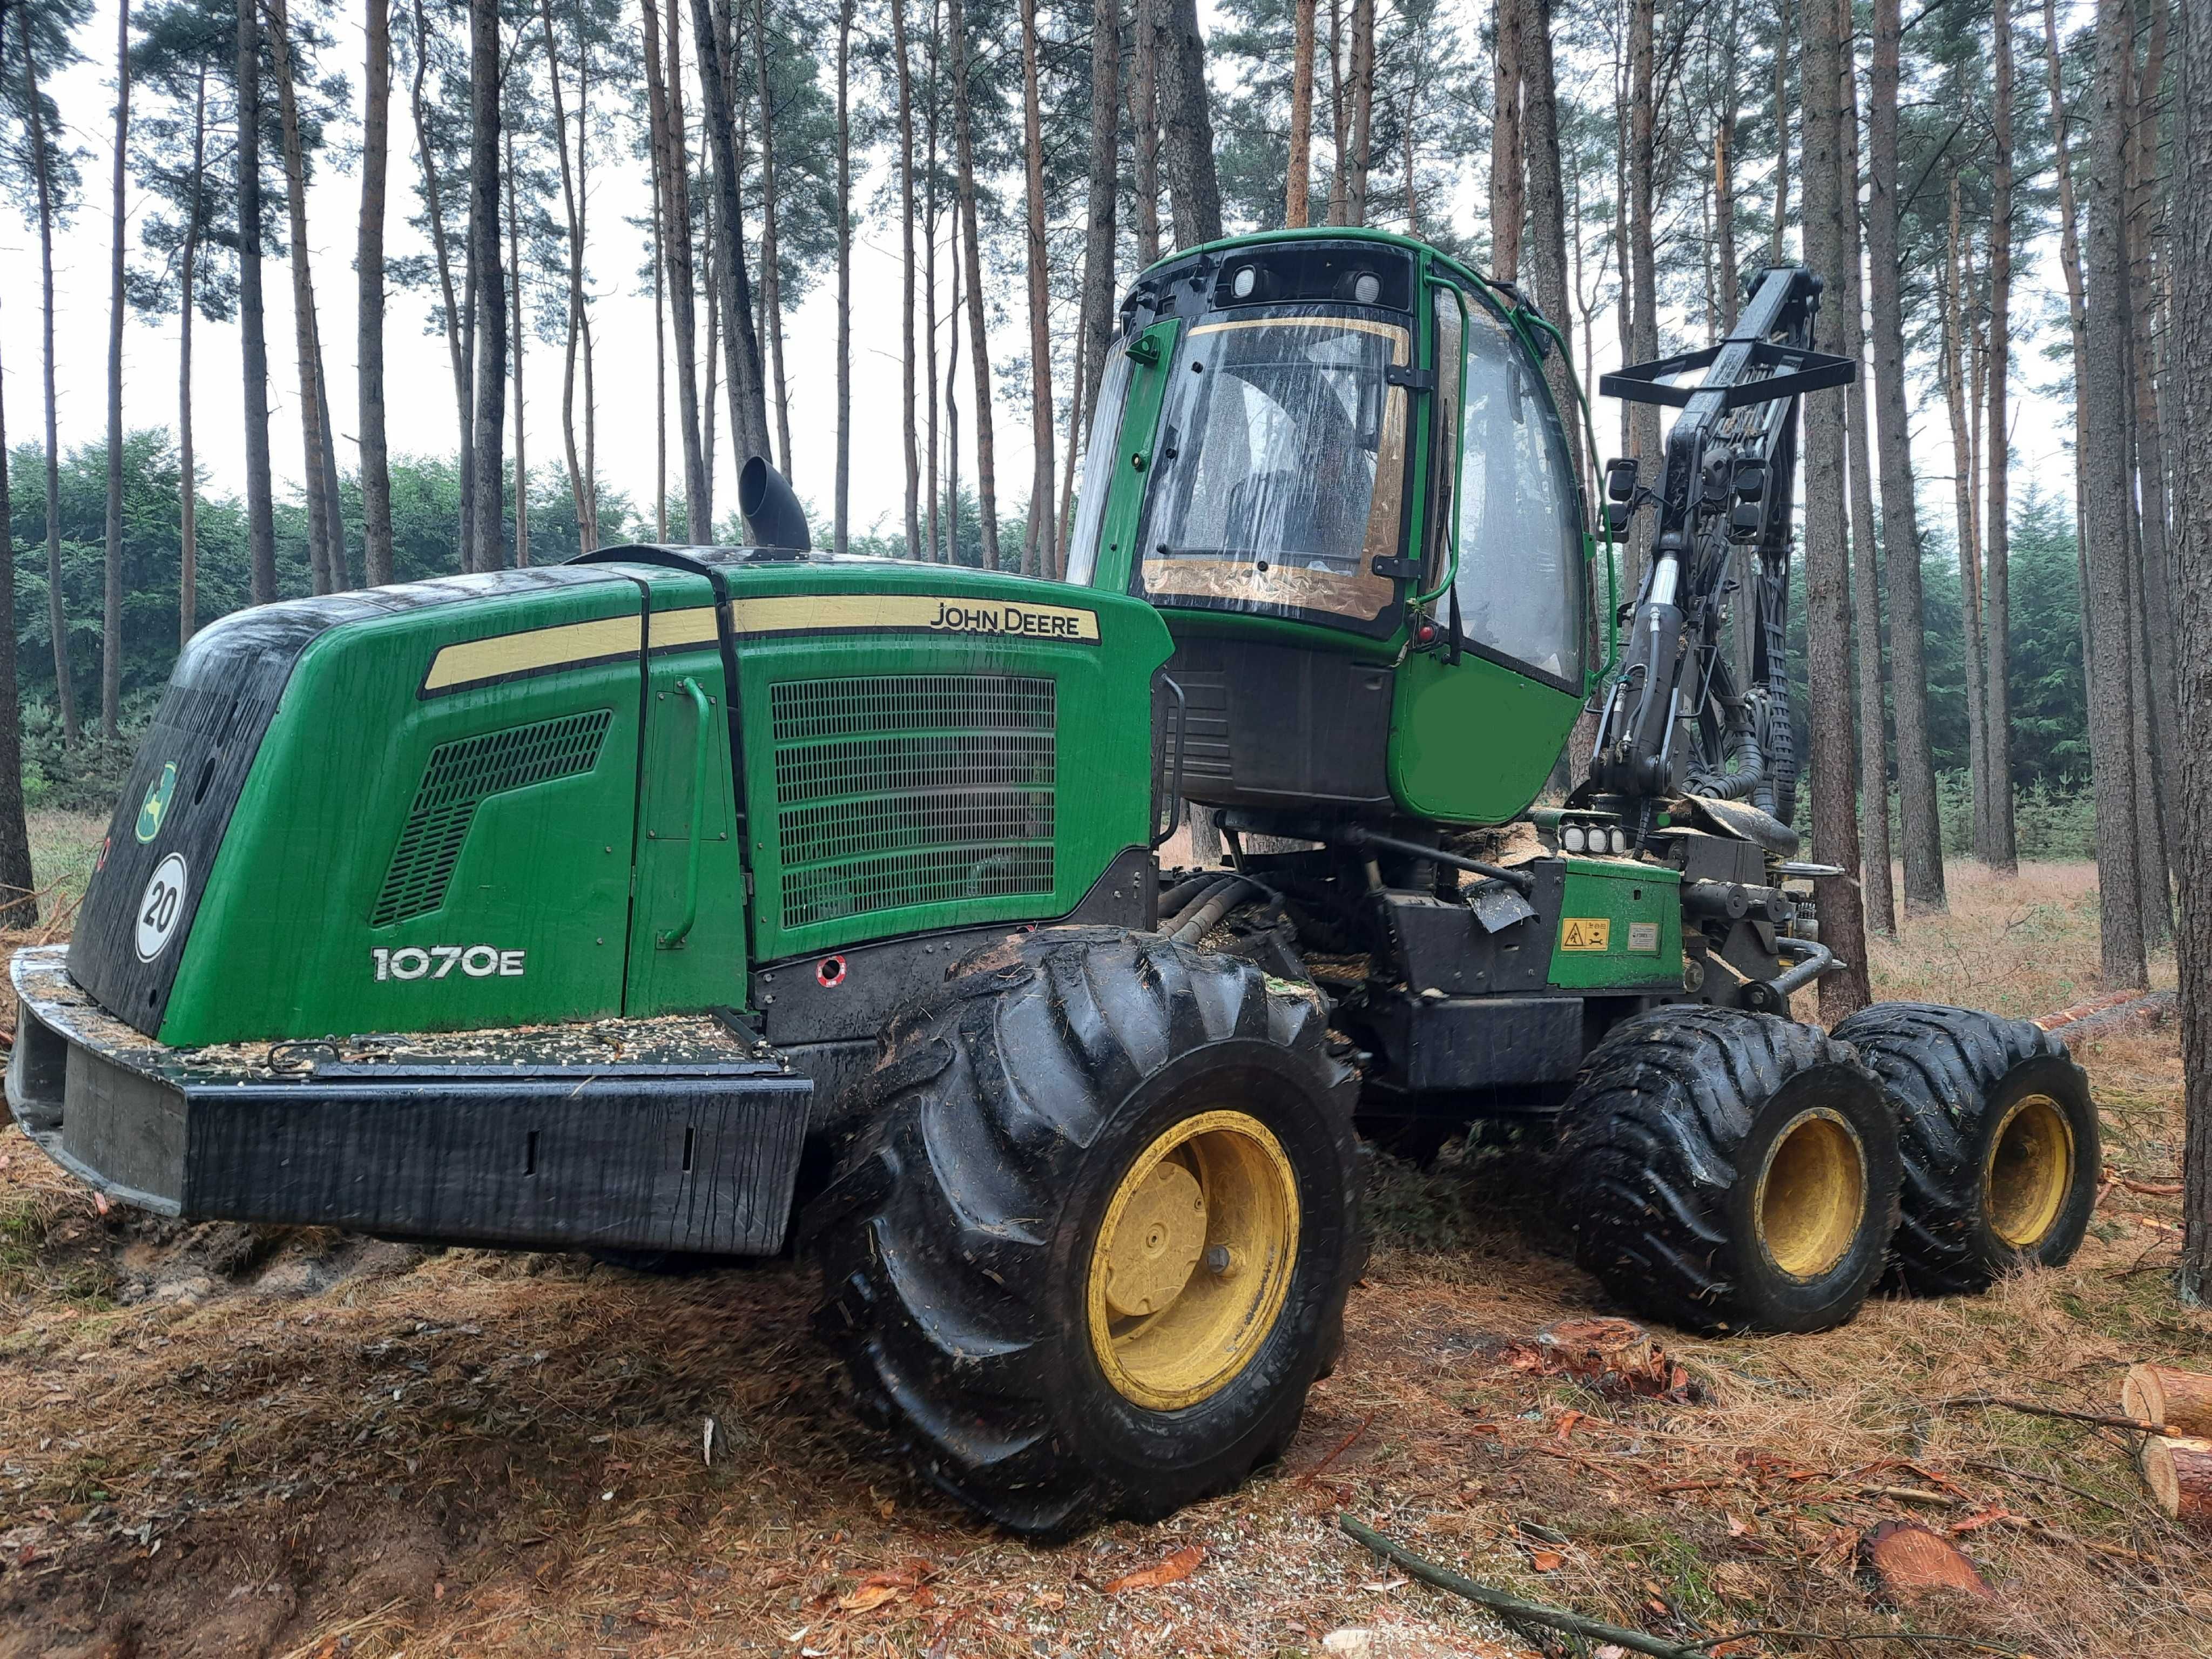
1521,579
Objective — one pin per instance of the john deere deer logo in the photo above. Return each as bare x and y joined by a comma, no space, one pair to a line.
156,806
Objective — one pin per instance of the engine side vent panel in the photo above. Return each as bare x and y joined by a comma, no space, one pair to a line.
900,790
461,776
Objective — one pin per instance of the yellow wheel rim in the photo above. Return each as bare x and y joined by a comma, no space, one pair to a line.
2030,1171
1812,1193
1193,1260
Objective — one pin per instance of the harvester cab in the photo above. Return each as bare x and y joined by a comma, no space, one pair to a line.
683,902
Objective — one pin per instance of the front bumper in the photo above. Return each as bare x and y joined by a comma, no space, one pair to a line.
675,1134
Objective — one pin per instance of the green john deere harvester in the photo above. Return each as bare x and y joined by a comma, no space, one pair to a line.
691,900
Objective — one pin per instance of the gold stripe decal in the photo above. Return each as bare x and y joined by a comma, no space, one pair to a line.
572,645
927,613
505,655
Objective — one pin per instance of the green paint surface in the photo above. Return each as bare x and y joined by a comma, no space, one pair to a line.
1472,742
281,946
559,900
1625,898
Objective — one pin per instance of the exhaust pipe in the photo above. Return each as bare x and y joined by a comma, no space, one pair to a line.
773,515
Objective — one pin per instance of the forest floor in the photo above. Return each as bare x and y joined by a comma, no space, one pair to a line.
216,1439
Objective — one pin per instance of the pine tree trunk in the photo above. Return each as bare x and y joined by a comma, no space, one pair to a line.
368,269
2069,264
1039,556
1363,112
1076,414
665,106
2003,850
2154,581
1337,110
515,329
1547,207
188,486
457,345
963,142
2112,717
1297,189
659,366
1187,130
1724,174
1957,325
935,552
906,279
1144,117
110,616
573,328
952,397
844,472
42,170
1828,574
1505,143
1774,245
1919,821
1098,244
260,512
489,300
732,246
2190,356
1879,893
340,577
1644,441
18,908
321,509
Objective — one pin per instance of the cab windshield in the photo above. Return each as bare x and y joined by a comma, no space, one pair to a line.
1281,471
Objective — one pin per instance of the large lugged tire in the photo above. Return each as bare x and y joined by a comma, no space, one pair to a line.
1730,1171
1999,1137
1093,1246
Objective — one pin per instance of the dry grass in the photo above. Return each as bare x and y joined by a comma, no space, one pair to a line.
215,1440
2023,947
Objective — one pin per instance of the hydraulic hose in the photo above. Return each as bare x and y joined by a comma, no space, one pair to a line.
1175,897
1215,903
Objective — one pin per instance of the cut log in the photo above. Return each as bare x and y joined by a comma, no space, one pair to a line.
2172,1402
2178,1472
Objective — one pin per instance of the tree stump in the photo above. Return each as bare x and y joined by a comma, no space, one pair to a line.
1593,1346
2175,1402
2178,1472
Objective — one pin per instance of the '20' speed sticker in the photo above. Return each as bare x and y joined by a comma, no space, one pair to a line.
437,961
159,907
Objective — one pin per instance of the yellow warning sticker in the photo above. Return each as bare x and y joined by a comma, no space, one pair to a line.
1586,934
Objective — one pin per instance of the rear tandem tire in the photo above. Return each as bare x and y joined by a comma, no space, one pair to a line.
1729,1171
1998,1134
1058,1087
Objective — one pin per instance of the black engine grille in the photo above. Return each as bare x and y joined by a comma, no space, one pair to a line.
911,789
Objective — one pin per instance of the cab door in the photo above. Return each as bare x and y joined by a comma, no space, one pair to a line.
687,929
1480,717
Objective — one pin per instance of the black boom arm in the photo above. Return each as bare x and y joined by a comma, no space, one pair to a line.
1675,716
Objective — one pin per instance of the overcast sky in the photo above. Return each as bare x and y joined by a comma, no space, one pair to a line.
418,380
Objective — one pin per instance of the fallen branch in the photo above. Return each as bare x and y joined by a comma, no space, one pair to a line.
1512,1606
2048,1480
1912,1495
1513,1609
2101,1419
